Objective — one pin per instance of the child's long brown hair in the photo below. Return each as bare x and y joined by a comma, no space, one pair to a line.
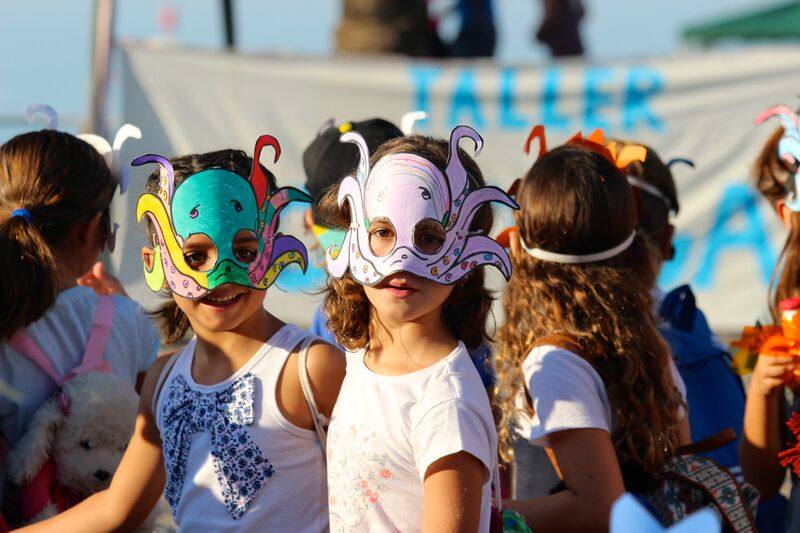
575,201
61,181
174,323
771,176
465,310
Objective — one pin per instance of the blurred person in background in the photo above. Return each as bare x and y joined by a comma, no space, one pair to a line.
560,27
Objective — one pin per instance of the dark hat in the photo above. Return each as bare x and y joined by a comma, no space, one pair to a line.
326,160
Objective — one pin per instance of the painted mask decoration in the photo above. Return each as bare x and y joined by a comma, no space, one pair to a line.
788,149
429,211
227,209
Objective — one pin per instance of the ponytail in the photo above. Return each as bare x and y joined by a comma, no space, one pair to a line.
49,182
27,268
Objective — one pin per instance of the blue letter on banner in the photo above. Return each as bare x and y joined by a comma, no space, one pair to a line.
551,118
737,199
642,85
509,119
595,99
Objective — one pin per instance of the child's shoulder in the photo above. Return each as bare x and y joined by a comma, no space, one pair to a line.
457,379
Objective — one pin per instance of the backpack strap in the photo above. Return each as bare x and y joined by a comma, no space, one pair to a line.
23,343
162,378
719,485
708,444
94,355
319,420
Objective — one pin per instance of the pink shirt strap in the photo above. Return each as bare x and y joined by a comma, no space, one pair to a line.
23,343
93,358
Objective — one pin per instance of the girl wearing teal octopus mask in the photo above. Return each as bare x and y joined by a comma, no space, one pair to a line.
240,443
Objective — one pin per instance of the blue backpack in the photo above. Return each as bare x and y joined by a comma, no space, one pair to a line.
714,392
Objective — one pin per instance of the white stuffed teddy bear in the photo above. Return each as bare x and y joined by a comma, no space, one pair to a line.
73,445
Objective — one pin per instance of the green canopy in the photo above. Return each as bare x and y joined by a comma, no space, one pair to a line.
776,23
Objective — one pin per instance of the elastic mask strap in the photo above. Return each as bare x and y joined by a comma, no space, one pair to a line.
569,259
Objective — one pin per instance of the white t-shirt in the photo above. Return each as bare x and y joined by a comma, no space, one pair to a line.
387,430
568,393
62,334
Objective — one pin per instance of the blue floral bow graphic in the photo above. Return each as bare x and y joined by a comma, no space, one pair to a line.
241,469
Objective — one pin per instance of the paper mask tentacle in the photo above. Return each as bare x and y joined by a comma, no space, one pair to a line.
676,160
456,173
476,199
167,183
42,110
478,250
258,178
409,119
355,252
285,251
127,131
788,147
537,133
785,114
282,197
183,280
362,172
99,144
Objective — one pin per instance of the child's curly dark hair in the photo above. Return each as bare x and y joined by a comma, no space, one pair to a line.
466,309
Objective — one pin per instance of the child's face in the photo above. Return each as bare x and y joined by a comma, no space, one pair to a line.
404,297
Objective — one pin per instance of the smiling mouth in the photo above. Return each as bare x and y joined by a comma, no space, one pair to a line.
221,301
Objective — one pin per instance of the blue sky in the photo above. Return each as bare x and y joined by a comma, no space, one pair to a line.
46,43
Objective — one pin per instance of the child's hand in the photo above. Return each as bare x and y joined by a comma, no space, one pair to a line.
774,368
101,282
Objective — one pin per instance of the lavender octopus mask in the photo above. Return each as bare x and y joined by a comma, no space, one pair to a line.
429,211
225,208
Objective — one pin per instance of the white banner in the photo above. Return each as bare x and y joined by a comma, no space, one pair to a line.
698,106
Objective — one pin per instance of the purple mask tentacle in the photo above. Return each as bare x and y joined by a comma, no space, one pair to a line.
456,173
476,199
478,250
362,172
35,110
288,243
167,174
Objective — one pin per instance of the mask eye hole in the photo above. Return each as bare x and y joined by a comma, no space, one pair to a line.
245,246
429,236
382,236
199,252
194,212
237,205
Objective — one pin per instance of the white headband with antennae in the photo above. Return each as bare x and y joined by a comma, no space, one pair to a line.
639,184
570,259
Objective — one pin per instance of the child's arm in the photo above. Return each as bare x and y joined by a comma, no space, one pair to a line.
763,421
137,484
453,493
590,470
